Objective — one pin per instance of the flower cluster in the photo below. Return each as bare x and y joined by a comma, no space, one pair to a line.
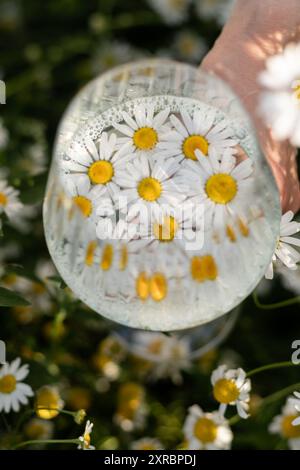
211,430
172,183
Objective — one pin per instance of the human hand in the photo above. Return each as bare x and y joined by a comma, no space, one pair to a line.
257,30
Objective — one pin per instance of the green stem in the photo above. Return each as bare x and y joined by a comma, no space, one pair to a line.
282,304
275,365
47,441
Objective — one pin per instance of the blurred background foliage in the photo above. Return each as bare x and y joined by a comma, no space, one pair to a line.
49,50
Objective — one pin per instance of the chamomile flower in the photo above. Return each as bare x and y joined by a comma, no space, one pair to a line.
96,163
181,225
280,102
48,402
14,392
143,130
84,198
85,439
200,132
172,11
131,406
284,251
169,355
284,425
296,402
222,187
147,443
149,183
206,431
9,200
231,387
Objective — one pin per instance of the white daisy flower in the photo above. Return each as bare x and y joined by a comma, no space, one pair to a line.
143,131
147,443
14,392
296,403
181,225
172,11
284,252
284,425
98,163
198,133
231,387
85,439
48,402
9,200
86,199
280,103
222,187
206,431
149,184
189,46
215,9
169,354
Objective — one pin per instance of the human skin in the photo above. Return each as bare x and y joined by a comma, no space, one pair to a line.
256,30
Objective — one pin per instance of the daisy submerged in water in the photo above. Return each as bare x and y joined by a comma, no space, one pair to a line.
143,131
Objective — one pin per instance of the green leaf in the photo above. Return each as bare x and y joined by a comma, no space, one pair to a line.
8,298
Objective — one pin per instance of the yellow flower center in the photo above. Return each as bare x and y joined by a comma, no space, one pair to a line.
145,138
47,403
107,257
296,89
129,400
204,268
225,391
158,287
149,189
101,172
192,143
147,447
166,231
87,440
205,430
289,431
123,258
155,346
3,199
90,252
244,229
8,383
142,286
84,205
231,233
221,188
